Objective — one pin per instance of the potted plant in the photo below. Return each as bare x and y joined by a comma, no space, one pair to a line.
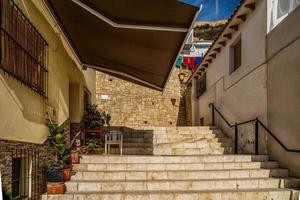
57,141
95,124
107,118
55,176
74,152
67,166
94,146
55,171
59,167
92,111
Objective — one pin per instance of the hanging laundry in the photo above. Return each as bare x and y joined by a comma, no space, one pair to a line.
198,60
186,61
179,62
192,62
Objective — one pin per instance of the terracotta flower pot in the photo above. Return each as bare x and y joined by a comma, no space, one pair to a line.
67,174
75,157
56,188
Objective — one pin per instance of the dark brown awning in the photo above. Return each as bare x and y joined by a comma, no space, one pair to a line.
137,40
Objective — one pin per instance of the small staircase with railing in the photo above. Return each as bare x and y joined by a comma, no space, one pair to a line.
187,163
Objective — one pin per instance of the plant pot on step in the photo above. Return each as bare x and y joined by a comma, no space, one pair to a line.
56,188
56,175
67,174
75,157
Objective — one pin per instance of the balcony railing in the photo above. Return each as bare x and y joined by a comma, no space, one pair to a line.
22,48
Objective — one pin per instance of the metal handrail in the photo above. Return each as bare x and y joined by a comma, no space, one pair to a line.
257,123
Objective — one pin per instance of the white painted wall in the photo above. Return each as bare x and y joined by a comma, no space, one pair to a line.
241,95
284,90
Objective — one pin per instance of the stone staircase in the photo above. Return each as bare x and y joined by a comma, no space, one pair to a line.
188,163
190,141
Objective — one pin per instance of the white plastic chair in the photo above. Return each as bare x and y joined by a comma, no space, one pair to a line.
113,138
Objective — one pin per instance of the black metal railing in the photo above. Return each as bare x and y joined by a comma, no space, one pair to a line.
257,122
23,50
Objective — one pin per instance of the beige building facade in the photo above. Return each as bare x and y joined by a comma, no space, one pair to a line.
265,84
23,112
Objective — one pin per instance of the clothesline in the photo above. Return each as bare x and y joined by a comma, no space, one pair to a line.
191,62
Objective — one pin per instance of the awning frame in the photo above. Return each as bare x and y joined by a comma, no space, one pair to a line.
127,26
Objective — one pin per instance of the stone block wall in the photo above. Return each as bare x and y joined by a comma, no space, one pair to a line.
39,156
133,105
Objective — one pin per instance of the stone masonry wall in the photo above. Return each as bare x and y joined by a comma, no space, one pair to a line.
133,105
39,156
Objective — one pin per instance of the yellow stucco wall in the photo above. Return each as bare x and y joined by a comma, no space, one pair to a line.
22,112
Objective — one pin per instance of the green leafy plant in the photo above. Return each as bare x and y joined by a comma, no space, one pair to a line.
93,144
94,123
57,139
92,110
107,118
55,165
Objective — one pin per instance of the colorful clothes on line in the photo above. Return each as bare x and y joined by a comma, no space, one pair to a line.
186,61
198,60
179,62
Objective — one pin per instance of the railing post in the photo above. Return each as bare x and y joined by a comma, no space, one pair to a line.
256,137
236,138
213,114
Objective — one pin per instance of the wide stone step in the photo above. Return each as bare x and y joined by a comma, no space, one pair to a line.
176,137
174,166
137,135
190,185
197,140
249,194
137,145
137,151
178,175
197,144
192,151
168,134
172,159
138,140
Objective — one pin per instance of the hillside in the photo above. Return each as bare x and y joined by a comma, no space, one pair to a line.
208,30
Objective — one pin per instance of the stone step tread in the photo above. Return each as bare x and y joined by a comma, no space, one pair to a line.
175,166
178,180
174,185
243,194
170,158
234,155
189,136
258,190
187,170
194,148
137,147
158,163
273,172
191,145
179,174
172,167
199,139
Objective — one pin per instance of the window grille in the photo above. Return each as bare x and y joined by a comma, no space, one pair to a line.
23,51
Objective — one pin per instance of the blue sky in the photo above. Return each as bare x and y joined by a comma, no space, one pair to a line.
213,10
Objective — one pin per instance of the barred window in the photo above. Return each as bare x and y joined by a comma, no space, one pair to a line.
22,48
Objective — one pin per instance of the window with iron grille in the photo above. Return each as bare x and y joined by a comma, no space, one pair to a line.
22,48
